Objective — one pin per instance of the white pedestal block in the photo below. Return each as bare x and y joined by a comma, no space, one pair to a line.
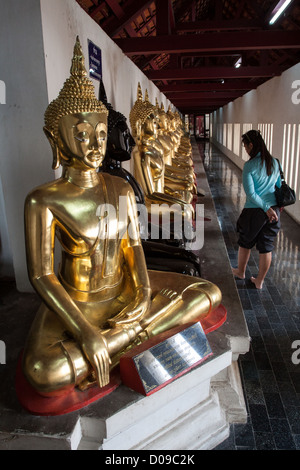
187,414
229,388
203,426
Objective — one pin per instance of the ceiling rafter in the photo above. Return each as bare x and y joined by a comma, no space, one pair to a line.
115,7
190,47
164,17
220,25
203,95
131,9
174,44
212,73
244,85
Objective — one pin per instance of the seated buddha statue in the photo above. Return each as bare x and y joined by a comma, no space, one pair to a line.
148,156
185,142
160,254
102,299
119,146
173,174
182,155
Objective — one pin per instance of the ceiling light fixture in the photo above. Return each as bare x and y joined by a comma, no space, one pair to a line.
278,10
238,63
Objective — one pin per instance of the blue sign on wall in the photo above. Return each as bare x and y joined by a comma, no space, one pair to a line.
95,61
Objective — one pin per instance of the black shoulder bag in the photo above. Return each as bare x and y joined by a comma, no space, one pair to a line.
285,196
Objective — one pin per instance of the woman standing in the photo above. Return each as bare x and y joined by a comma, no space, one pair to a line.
259,221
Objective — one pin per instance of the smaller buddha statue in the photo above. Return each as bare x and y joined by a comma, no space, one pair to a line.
185,143
119,146
160,254
173,174
148,157
182,154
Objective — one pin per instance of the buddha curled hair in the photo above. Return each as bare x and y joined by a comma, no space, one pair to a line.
141,110
76,96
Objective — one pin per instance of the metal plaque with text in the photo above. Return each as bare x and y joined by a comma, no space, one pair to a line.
174,356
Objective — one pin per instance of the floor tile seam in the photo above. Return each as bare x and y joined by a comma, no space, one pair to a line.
274,446
291,434
262,388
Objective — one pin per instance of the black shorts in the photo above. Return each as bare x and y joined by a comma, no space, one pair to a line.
254,228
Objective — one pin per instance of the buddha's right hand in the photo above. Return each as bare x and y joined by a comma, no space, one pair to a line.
135,310
96,352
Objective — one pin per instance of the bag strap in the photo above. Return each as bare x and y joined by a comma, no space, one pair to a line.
281,172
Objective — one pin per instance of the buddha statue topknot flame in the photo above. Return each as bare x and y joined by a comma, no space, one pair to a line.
103,300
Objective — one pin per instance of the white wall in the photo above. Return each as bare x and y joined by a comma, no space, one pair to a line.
6,265
24,158
274,108
37,39
62,22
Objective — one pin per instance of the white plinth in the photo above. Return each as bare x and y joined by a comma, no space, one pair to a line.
186,414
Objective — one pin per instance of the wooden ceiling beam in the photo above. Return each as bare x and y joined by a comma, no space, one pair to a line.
220,25
201,101
164,17
198,110
115,8
96,9
228,41
210,73
245,85
204,95
131,10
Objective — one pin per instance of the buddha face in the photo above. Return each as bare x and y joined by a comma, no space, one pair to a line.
120,142
150,126
162,122
82,137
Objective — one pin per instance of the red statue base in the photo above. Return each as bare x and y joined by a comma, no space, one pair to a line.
38,405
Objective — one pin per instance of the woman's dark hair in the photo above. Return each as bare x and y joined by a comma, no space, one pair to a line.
255,138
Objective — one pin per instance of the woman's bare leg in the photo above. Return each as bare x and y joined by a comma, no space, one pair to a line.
243,258
265,260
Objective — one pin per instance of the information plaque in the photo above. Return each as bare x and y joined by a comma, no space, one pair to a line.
149,367
95,61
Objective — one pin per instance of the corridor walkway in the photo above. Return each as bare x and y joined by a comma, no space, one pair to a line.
270,379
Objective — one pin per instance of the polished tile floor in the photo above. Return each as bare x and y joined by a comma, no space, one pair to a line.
270,377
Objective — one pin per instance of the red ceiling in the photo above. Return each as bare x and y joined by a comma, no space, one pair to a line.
189,47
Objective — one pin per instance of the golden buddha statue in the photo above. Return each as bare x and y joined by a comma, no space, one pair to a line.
102,300
174,174
185,142
148,156
183,153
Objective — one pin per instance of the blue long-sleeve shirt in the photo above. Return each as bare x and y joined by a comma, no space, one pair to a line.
258,186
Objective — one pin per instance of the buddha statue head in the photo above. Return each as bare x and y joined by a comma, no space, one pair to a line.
179,122
172,119
119,139
76,121
143,116
162,118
